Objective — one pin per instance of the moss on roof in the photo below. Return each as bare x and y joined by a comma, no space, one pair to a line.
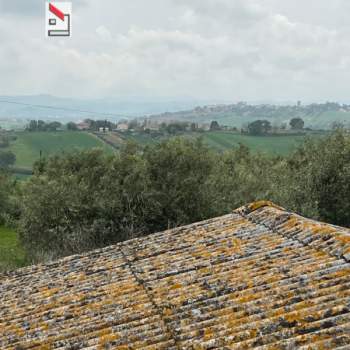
258,278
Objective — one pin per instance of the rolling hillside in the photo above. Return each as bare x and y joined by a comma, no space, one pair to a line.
225,140
274,145
316,116
28,145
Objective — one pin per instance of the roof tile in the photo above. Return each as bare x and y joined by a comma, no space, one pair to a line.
260,278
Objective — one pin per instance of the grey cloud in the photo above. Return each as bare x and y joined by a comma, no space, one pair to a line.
28,7
224,49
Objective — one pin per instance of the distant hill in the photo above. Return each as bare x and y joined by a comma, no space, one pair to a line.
69,109
23,108
316,116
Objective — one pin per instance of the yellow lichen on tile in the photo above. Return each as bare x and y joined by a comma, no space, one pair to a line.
260,204
263,278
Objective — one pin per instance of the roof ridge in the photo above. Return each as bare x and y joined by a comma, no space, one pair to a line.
334,240
159,309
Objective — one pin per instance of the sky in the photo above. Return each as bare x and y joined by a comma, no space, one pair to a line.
232,50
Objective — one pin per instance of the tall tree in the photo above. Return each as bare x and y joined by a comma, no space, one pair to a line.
259,127
297,124
7,159
214,125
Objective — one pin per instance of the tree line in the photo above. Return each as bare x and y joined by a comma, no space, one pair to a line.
264,127
84,200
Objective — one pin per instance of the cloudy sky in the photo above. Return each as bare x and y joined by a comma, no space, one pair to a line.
210,49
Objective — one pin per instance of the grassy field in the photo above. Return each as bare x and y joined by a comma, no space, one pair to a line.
11,253
28,145
278,145
223,140
143,139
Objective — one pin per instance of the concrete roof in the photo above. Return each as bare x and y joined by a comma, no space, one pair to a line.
258,278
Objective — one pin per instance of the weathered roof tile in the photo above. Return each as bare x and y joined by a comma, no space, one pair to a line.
259,278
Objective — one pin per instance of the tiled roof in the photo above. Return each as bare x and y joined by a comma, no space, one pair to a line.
258,278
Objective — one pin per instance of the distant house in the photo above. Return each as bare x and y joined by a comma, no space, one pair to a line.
151,124
83,126
205,127
104,129
122,127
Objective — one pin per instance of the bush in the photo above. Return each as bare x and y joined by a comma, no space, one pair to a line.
87,200
6,191
7,159
318,177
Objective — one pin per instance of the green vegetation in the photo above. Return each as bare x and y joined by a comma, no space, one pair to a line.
219,140
142,139
273,145
82,200
12,255
86,200
7,159
28,145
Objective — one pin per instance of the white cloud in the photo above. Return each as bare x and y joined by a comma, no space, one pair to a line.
224,49
104,33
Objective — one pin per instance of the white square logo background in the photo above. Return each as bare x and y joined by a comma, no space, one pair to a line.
55,27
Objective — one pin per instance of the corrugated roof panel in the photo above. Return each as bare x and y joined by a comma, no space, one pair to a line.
259,278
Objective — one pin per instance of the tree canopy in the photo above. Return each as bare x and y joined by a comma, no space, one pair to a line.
259,127
7,159
297,123
85,200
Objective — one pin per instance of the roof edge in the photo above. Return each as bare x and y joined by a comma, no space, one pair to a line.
331,239
251,207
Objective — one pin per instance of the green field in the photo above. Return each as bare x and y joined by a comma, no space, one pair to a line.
278,145
225,140
11,253
28,145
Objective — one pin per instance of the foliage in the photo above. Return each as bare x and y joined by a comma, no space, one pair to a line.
40,125
297,124
4,141
86,200
241,177
4,195
7,159
12,254
9,208
174,128
319,179
178,176
71,126
259,127
214,126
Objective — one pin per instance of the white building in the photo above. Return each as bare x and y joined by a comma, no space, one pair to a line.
122,127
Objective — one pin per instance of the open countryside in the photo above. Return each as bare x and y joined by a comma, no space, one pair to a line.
28,145
273,145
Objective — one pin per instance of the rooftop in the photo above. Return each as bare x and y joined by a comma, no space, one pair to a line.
258,278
